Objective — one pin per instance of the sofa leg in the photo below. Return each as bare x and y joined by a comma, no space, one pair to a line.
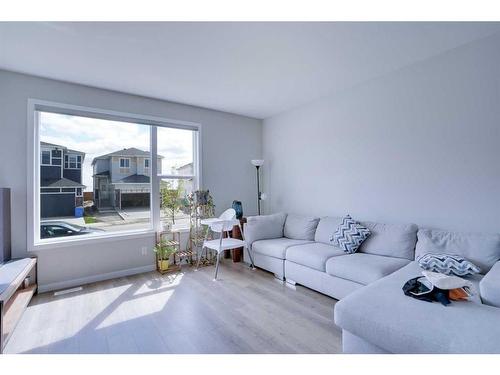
280,278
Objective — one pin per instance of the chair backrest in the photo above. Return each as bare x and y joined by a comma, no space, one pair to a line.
229,215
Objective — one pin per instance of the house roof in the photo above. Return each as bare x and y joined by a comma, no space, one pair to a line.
62,147
62,182
126,152
135,179
185,165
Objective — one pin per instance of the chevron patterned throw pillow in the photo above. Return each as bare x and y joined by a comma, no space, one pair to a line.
447,264
349,235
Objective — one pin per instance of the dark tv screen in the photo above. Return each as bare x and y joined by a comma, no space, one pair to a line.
5,243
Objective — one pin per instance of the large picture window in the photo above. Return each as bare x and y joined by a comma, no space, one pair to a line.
93,175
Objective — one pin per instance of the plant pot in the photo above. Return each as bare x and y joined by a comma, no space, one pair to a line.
163,265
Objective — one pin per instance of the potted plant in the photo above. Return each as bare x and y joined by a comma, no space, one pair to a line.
163,252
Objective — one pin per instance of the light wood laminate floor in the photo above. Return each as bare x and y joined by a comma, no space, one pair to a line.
244,312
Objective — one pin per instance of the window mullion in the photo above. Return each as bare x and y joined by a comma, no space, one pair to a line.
155,181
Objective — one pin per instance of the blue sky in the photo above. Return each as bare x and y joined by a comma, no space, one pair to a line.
97,137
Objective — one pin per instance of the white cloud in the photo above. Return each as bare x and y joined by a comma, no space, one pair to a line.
97,137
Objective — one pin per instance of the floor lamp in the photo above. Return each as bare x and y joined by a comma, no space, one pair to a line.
257,163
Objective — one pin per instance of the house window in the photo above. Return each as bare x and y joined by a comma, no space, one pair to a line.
72,161
45,158
124,163
95,168
56,157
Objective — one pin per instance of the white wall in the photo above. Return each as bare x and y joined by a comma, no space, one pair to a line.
228,143
420,145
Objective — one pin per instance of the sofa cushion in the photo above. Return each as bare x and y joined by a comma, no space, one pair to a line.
363,268
490,286
382,315
350,235
300,227
481,249
264,227
392,240
275,247
313,255
326,227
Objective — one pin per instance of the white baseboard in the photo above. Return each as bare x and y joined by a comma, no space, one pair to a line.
92,279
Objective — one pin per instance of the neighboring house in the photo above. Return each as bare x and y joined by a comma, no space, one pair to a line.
186,170
61,188
122,178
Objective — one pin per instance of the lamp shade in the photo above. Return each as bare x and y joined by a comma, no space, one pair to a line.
257,162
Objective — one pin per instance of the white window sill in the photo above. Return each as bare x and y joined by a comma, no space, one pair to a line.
91,240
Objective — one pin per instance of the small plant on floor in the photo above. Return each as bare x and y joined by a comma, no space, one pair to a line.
163,252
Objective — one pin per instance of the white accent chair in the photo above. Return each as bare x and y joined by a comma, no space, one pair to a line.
224,223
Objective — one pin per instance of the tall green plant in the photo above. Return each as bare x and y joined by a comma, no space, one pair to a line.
172,199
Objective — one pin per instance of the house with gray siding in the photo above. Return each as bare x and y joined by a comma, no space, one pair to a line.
61,188
122,178
186,170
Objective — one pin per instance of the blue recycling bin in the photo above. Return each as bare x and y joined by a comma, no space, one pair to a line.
78,211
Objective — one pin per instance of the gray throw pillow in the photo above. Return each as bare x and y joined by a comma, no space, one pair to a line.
350,235
447,264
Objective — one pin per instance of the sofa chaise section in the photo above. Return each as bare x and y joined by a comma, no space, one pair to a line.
379,318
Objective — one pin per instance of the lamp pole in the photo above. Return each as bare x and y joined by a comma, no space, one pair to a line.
257,163
258,188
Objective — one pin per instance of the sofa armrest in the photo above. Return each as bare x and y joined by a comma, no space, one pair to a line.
263,227
490,286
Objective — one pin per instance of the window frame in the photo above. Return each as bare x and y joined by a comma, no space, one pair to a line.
41,157
35,106
124,160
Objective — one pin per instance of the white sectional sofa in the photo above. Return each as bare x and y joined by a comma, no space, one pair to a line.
374,314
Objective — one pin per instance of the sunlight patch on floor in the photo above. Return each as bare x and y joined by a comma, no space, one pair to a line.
149,298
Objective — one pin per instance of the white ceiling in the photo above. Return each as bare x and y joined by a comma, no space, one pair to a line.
253,69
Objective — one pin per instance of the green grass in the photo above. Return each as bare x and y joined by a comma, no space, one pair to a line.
89,219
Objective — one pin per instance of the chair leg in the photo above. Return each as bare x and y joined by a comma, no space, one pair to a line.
250,255
217,266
